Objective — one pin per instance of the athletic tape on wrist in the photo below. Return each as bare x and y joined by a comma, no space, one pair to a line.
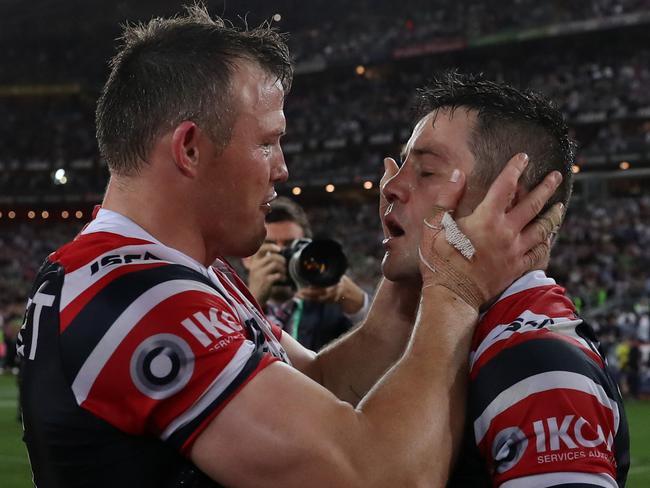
447,276
456,238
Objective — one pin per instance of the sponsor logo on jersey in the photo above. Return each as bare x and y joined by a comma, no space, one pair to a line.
557,440
570,439
551,434
162,365
113,259
508,448
213,329
529,321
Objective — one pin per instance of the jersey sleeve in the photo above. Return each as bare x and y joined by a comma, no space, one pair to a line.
542,410
162,358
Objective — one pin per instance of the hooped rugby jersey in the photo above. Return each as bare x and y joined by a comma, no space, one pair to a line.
127,343
542,408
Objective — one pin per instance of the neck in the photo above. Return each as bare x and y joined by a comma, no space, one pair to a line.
139,199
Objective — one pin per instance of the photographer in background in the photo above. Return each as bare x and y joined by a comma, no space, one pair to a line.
314,316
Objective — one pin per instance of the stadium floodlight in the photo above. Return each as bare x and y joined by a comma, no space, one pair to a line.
60,177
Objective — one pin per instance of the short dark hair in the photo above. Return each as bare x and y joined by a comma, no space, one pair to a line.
284,209
175,69
508,121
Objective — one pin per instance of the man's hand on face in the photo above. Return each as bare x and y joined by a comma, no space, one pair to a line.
346,293
266,267
509,241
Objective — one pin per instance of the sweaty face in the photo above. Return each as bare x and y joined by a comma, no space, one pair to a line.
438,145
238,184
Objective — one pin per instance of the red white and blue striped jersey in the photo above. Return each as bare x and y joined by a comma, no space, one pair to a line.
542,408
127,341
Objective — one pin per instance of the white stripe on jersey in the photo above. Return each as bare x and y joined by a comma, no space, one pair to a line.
562,325
218,386
552,479
127,320
79,280
551,380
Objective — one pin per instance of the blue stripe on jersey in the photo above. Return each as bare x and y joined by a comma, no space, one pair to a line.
91,324
526,359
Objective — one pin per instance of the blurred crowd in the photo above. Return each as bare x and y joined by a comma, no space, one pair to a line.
322,32
376,30
341,124
602,257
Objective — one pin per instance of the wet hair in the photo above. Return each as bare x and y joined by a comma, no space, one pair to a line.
284,209
169,70
508,121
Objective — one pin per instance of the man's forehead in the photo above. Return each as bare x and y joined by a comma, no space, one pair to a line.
424,133
255,87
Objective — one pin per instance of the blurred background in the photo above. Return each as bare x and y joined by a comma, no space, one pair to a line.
357,64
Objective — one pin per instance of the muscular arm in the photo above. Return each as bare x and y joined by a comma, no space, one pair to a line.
293,432
352,364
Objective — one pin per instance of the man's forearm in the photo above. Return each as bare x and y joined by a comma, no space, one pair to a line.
351,365
428,382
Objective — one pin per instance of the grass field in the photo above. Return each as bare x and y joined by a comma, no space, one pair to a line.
15,473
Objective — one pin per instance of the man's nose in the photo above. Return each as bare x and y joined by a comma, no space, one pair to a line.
279,171
396,188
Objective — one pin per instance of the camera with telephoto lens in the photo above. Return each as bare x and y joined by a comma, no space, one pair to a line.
318,262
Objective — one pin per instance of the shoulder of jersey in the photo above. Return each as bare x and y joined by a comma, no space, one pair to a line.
102,264
537,313
86,249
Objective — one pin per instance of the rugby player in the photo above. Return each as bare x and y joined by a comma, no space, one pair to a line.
542,408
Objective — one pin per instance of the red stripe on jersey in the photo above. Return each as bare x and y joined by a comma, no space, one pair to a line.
579,447
136,412
70,312
548,300
86,247
224,277
187,445
521,337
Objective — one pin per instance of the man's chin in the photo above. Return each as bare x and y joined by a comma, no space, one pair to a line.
397,271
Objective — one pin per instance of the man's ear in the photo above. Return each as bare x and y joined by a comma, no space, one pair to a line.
185,148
